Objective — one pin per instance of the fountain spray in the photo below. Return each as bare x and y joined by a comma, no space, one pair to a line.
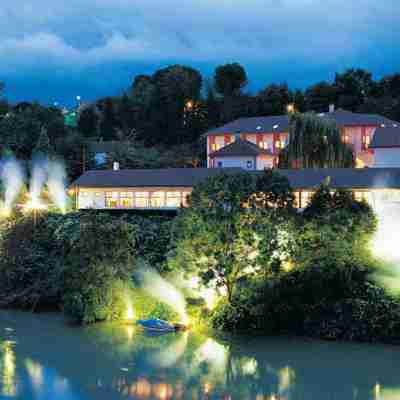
13,177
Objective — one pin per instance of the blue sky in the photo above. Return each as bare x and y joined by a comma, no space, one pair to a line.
53,50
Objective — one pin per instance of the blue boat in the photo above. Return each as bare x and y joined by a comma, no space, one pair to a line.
156,325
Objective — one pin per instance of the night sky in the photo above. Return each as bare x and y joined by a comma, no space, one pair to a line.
54,50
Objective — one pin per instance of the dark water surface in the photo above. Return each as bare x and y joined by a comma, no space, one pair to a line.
43,358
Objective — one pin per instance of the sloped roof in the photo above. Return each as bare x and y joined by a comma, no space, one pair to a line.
281,123
386,137
344,178
347,118
240,148
340,178
164,177
254,125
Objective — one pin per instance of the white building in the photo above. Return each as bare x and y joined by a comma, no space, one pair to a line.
386,147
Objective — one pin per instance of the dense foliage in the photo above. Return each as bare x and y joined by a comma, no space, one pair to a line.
323,148
81,262
236,227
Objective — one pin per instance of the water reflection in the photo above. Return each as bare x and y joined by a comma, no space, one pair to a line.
42,358
8,378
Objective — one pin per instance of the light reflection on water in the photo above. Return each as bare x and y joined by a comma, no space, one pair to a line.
42,358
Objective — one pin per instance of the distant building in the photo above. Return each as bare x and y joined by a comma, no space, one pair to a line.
271,134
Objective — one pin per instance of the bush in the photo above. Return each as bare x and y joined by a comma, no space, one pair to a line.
328,303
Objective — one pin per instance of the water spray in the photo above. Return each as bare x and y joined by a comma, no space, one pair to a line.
13,177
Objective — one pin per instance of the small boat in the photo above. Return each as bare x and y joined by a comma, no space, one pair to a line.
158,325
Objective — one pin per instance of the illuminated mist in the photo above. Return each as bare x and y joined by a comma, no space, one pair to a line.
38,179
386,243
13,177
164,291
56,184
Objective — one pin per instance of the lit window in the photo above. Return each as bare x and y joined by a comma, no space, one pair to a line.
345,139
126,199
112,199
157,199
141,199
97,194
173,199
263,145
215,146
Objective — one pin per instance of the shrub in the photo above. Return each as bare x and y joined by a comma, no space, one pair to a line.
329,303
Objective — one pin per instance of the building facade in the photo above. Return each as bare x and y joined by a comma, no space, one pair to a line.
271,134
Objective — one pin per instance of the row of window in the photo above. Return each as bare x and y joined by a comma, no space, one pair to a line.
160,199
279,144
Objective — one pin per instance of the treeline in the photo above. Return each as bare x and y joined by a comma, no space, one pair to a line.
165,114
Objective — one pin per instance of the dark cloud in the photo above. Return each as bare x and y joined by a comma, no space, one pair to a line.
70,46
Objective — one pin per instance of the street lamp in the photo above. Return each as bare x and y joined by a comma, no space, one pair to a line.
290,108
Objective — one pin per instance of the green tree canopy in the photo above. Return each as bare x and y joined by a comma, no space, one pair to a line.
230,79
315,143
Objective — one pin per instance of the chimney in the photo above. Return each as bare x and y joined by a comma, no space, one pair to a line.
116,166
331,108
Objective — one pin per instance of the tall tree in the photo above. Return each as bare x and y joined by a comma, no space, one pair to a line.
230,79
320,96
315,143
109,122
353,86
88,122
273,100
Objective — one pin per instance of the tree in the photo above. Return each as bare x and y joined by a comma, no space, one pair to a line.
109,122
225,236
230,79
320,96
353,87
273,100
88,122
315,143
175,87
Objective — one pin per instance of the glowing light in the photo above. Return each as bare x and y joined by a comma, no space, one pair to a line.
142,389
249,367
215,353
189,105
130,330
34,204
5,212
162,391
35,373
286,376
290,108
129,312
377,391
9,387
287,266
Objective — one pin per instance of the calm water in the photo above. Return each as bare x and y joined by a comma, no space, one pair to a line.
43,358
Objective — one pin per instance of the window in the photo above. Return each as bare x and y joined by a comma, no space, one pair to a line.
141,199
249,164
112,199
84,194
345,139
219,164
126,199
173,199
366,141
215,146
157,199
263,145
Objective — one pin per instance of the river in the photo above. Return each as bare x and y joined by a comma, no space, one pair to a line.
44,358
